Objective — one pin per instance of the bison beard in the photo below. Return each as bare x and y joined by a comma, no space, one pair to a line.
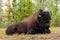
37,23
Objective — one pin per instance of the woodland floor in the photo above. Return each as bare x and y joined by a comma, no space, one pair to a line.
54,35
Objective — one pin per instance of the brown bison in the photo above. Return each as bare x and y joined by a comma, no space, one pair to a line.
38,22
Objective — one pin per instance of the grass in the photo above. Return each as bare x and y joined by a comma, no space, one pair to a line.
54,35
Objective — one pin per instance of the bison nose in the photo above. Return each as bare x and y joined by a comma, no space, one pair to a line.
47,31
47,25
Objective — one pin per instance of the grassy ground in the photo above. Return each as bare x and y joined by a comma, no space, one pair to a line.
54,35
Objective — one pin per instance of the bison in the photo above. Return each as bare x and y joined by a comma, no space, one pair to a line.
38,22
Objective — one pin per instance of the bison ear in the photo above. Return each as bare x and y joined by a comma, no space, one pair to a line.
41,10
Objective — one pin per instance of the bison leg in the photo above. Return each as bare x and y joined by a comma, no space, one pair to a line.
31,31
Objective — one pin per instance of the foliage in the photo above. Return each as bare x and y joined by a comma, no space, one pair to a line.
55,14
0,6
24,8
52,5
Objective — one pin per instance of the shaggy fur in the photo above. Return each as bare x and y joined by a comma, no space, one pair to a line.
38,22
